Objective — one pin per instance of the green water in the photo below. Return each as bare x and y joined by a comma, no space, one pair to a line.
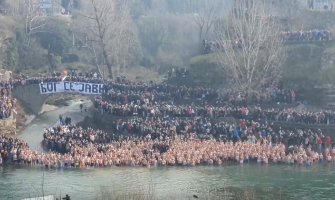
266,182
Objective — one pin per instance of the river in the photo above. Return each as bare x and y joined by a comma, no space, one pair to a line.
207,182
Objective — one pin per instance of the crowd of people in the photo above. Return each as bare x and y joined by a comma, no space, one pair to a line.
90,148
11,149
7,102
72,146
287,36
151,100
57,77
127,91
160,124
196,128
288,115
310,35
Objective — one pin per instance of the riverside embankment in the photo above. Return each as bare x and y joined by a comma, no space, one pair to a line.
206,182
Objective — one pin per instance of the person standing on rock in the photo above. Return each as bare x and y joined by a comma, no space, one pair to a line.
81,107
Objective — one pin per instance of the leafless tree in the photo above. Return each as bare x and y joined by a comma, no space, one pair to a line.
249,46
153,33
127,49
204,18
99,16
34,21
125,38
110,33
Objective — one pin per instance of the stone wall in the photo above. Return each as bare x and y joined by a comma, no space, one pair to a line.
30,97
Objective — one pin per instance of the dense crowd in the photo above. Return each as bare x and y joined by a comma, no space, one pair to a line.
126,91
196,128
7,102
287,36
73,146
11,149
262,114
160,124
57,77
311,35
124,99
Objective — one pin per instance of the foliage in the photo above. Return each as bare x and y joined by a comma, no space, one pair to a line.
302,66
175,50
12,56
307,20
54,37
19,56
303,70
153,34
205,70
70,58
54,61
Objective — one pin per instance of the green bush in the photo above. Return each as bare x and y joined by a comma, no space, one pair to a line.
55,37
70,58
301,70
206,71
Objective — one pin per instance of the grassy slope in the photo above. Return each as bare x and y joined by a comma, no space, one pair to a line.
301,70
302,65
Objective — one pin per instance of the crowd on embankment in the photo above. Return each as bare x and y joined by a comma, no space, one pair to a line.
125,99
73,146
160,124
7,102
307,35
297,36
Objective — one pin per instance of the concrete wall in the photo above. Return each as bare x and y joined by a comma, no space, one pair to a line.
30,97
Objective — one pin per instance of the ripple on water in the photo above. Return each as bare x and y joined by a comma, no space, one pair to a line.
166,181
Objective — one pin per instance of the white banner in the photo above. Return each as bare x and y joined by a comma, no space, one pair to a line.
69,86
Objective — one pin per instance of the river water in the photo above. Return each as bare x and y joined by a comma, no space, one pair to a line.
207,182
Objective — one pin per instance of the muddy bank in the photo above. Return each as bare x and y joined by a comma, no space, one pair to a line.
60,99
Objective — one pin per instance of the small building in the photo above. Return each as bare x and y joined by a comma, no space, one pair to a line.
326,5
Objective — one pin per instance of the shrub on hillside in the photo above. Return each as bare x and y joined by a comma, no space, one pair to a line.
70,58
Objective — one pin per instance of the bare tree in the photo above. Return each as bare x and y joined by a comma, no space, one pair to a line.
34,21
125,38
127,48
204,18
153,33
100,25
249,46
110,33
